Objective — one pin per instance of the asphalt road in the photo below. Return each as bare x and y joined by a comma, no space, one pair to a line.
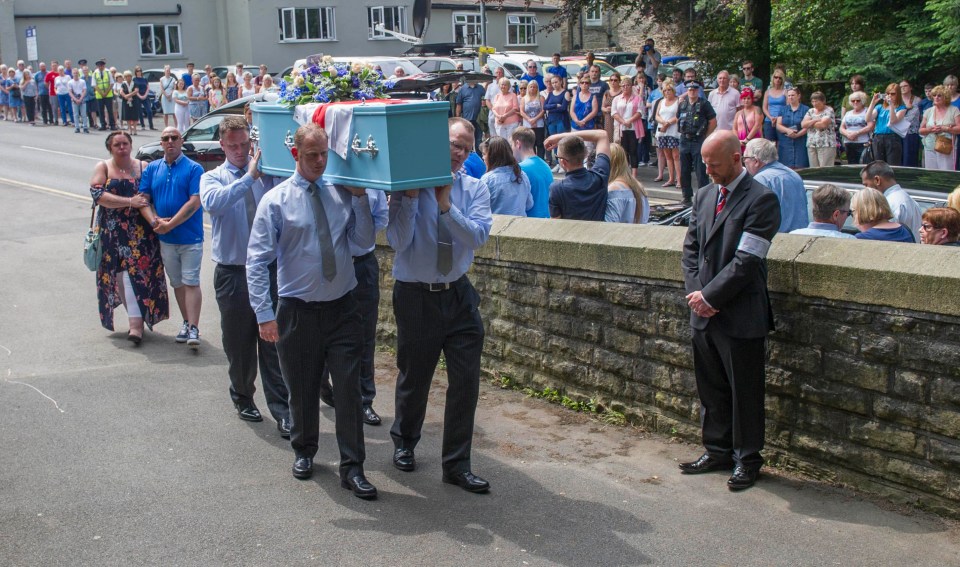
116,455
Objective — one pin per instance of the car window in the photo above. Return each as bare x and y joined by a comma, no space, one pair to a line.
515,70
152,76
206,130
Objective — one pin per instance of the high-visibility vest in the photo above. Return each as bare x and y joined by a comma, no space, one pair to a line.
102,79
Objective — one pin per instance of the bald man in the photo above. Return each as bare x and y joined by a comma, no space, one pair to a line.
732,223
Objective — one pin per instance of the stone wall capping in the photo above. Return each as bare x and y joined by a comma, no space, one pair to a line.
869,273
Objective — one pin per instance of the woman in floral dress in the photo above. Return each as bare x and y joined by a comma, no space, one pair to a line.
131,271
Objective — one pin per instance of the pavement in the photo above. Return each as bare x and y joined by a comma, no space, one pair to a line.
120,455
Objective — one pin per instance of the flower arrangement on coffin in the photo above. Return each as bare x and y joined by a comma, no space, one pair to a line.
333,82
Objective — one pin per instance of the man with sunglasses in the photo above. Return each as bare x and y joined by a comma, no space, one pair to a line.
749,79
173,185
533,74
831,208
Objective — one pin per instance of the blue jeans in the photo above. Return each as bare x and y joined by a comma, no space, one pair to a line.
66,111
80,114
557,127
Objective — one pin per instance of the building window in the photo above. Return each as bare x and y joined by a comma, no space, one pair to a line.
521,29
466,28
307,24
595,14
159,39
393,18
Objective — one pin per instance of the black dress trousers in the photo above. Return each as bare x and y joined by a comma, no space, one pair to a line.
242,343
428,323
730,376
314,334
367,294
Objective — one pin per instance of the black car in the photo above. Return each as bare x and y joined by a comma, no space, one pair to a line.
928,187
201,142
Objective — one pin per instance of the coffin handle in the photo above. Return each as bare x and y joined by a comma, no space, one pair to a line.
370,149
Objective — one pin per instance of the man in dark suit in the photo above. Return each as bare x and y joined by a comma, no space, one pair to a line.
725,271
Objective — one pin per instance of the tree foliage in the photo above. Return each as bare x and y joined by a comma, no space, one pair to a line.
816,39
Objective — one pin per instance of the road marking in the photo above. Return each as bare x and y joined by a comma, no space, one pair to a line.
45,189
37,390
59,193
60,153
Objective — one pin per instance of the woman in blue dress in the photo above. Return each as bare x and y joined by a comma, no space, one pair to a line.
791,135
773,102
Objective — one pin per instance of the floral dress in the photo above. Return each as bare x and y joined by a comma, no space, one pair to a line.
129,244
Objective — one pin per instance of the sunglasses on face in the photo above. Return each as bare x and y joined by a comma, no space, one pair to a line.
169,138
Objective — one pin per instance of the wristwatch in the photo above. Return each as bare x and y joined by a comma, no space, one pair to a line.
155,223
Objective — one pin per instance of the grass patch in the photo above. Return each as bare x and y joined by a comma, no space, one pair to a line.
555,396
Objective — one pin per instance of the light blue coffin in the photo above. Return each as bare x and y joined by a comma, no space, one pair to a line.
411,142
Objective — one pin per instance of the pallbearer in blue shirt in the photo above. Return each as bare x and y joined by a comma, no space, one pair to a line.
435,233
367,292
307,226
230,194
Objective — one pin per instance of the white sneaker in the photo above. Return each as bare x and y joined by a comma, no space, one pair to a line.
184,333
193,337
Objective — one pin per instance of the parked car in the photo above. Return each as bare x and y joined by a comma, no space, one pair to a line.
929,188
153,83
627,70
222,70
201,142
617,58
431,64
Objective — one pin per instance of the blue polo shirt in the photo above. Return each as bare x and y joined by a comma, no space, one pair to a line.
169,187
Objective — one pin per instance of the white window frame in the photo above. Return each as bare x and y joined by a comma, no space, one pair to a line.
328,34
166,39
525,20
594,14
399,16
471,21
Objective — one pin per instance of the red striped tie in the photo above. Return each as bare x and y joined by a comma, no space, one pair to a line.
723,200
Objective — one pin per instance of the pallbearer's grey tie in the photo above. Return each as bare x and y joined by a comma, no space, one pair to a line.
327,256
444,244
248,200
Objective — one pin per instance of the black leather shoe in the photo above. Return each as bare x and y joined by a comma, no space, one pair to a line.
704,464
467,481
404,460
370,417
303,468
326,396
742,478
283,426
248,412
360,486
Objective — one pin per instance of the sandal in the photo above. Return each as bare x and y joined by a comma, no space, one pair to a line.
135,339
668,184
658,179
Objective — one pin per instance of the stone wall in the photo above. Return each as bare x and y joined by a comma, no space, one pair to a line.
863,370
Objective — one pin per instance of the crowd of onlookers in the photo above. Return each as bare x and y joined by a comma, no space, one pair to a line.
101,97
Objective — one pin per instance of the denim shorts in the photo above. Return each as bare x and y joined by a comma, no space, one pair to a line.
182,263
